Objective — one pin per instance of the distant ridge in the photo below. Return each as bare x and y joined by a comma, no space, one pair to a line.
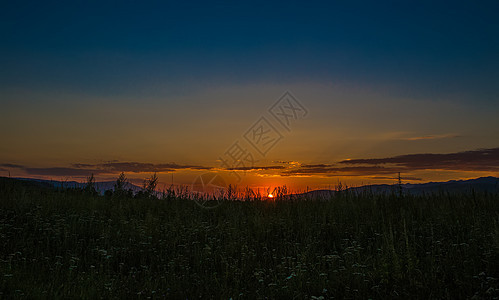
483,184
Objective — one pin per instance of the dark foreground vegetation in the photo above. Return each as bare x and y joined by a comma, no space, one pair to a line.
75,244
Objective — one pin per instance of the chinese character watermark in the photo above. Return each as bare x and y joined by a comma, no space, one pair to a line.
263,136
287,109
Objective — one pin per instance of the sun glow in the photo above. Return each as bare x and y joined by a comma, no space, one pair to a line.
270,196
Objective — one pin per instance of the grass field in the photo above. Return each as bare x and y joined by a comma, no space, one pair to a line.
69,244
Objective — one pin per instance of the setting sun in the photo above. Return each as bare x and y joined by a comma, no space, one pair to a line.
270,196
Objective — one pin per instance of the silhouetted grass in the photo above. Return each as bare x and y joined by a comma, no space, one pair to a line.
66,244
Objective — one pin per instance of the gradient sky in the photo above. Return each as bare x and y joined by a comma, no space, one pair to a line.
93,87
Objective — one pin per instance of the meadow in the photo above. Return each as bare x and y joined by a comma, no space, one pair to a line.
74,244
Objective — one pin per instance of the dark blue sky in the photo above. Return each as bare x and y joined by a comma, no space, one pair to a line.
423,48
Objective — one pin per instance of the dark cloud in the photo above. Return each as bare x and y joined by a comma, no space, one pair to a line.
110,168
255,168
136,167
396,177
376,168
316,166
285,162
476,160
62,171
386,168
332,170
11,166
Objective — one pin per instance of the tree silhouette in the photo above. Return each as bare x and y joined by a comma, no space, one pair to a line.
90,186
149,186
120,184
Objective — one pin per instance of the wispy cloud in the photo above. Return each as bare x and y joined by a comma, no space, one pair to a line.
412,136
431,137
